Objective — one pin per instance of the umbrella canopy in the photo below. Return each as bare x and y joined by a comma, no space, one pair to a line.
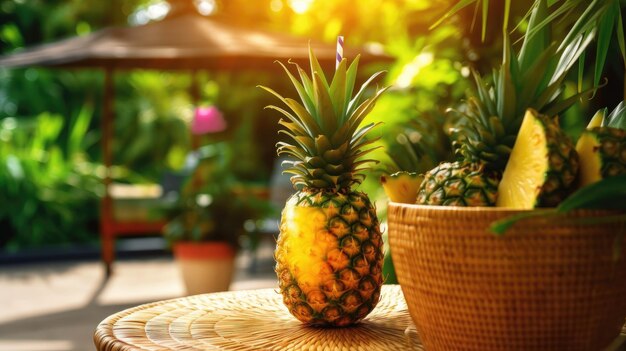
186,41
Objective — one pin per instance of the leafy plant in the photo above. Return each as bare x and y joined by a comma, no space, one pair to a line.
49,195
214,202
587,19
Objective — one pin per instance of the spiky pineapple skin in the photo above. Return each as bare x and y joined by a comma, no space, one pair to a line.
459,184
329,257
563,164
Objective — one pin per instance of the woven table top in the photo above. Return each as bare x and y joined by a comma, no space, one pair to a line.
251,320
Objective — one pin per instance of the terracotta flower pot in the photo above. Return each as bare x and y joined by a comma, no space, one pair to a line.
548,284
205,266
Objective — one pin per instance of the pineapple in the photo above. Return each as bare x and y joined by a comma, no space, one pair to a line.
542,167
402,186
459,184
492,115
602,147
329,252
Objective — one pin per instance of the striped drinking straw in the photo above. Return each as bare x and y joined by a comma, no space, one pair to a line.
339,50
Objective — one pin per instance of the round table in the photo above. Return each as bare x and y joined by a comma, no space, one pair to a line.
251,320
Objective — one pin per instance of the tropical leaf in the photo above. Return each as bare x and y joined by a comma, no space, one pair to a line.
585,22
620,32
571,54
608,194
456,8
550,17
537,39
601,15
581,72
484,22
507,12
605,32
531,81
560,106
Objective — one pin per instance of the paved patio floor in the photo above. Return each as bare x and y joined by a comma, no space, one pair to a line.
56,306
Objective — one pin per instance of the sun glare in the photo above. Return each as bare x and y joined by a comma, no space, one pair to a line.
300,6
205,7
155,11
412,69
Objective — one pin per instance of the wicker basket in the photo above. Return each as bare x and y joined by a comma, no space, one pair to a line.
548,284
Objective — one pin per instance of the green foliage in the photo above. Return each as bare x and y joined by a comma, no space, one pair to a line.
420,145
215,199
153,111
425,79
49,196
583,18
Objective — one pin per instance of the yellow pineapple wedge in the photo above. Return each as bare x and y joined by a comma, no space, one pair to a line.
402,186
602,146
329,252
542,166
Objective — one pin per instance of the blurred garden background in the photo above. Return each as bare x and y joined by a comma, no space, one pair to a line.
51,163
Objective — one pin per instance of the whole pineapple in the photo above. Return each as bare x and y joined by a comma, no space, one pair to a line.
491,117
329,251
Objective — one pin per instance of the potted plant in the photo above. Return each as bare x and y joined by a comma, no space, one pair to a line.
207,221
557,279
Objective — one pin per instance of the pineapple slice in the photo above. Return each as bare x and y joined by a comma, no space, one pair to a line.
542,166
402,186
588,147
602,147
597,119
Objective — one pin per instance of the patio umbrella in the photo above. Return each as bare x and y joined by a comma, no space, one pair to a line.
183,40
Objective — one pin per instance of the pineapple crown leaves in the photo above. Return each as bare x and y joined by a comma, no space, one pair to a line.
328,141
419,145
616,119
531,79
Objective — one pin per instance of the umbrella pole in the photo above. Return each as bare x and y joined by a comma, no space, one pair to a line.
106,209
194,92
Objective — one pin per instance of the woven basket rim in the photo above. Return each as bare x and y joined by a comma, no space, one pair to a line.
495,210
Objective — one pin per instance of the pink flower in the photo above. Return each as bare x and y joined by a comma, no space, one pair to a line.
207,120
